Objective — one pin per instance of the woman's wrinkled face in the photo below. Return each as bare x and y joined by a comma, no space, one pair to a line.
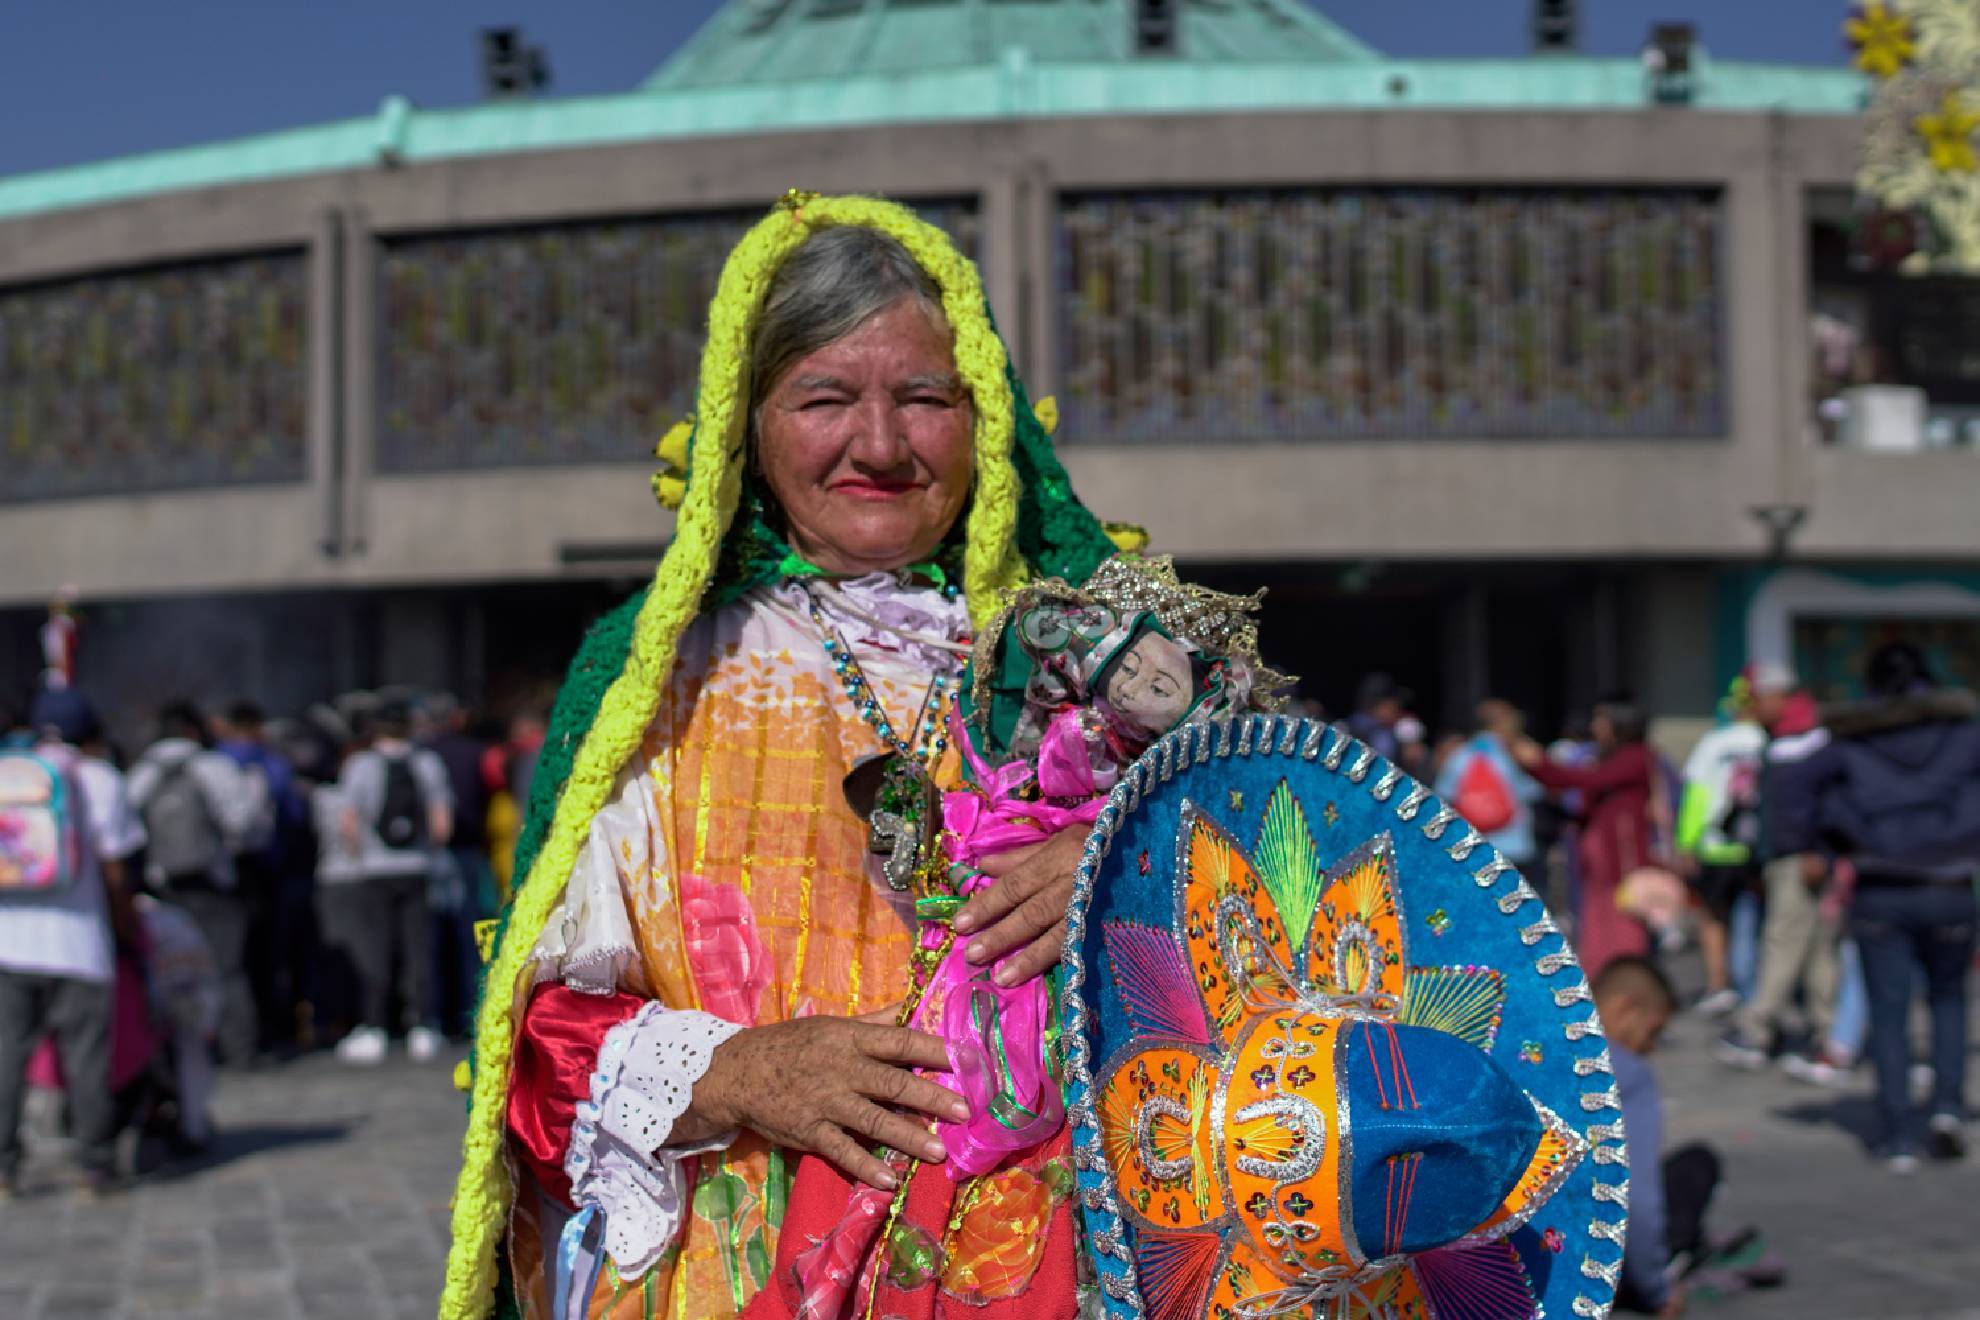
866,443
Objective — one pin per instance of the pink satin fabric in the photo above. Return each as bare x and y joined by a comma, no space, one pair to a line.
996,815
981,1023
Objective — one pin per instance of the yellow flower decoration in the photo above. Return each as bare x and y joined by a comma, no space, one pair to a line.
1128,538
670,481
1883,39
1948,135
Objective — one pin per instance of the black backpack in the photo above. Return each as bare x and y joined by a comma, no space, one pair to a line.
402,814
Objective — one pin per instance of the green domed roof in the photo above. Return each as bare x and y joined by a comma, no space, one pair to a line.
764,41
772,66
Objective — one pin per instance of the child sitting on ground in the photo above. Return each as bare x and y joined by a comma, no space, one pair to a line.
1668,1255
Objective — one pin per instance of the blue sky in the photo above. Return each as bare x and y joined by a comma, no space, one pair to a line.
90,79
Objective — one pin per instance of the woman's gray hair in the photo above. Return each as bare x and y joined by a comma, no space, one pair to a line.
832,283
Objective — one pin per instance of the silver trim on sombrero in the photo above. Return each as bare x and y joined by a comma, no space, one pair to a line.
1440,820
1337,752
1339,745
1548,964
1385,787
1518,897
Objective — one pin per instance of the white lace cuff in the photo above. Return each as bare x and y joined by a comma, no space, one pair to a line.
618,1158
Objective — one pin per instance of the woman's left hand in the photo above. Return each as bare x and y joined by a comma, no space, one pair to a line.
1026,907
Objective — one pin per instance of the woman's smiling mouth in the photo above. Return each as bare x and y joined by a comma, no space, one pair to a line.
874,488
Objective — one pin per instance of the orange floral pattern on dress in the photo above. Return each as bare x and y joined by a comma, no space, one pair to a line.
1000,1240
742,770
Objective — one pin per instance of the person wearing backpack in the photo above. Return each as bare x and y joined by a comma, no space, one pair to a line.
1719,820
275,872
66,832
1896,791
1483,783
201,810
397,812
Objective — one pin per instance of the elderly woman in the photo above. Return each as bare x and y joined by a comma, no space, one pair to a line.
695,983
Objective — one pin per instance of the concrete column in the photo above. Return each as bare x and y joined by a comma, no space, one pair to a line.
415,638
1669,641
1038,202
360,394
325,405
1765,333
470,634
1794,434
1467,643
1594,648
1605,626
999,221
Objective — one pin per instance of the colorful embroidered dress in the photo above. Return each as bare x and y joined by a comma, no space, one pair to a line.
727,876
687,864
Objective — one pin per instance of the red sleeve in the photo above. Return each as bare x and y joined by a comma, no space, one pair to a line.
562,1031
1623,769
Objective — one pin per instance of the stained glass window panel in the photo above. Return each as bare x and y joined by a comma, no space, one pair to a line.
168,378
556,344
1390,313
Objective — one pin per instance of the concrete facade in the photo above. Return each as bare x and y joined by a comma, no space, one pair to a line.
1625,500
1615,560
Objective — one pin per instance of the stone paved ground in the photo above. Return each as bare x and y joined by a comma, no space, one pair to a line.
324,1199
327,1198
1858,1243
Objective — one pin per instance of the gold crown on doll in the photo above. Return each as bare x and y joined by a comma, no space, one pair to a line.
1216,622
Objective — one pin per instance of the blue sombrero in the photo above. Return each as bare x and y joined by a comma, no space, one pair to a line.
1326,1052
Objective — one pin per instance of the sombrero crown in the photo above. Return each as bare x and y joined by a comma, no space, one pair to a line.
1326,1051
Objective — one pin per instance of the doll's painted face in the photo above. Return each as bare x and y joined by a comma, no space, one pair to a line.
1151,685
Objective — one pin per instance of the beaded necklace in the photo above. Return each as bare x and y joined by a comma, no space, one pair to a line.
925,731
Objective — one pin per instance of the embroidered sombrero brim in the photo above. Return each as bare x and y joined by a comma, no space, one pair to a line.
1325,1050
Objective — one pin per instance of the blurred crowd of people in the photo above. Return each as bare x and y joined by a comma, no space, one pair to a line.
238,891
242,889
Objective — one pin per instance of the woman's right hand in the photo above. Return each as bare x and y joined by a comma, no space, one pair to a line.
831,1086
